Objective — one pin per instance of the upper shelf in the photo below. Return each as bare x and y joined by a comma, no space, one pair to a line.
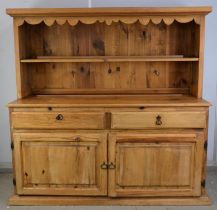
101,59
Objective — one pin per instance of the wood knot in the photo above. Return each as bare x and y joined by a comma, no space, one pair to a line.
156,72
46,48
82,69
99,46
109,71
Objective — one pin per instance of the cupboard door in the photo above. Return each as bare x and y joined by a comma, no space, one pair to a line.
155,164
60,163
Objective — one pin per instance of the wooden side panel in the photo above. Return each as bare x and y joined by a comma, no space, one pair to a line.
204,169
153,165
197,84
55,120
22,74
61,164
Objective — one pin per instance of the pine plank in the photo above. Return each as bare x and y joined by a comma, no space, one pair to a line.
95,59
109,101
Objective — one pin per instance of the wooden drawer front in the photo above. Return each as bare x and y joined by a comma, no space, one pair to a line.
155,164
55,120
141,120
60,163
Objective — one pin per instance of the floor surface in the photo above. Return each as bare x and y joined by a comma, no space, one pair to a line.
6,190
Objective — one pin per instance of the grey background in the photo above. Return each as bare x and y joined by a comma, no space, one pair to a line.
7,64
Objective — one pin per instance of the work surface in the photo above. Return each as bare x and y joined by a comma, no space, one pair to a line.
109,101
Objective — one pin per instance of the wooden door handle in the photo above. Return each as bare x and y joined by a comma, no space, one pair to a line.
104,165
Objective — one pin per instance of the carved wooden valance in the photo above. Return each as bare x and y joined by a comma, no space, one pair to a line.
108,20
108,15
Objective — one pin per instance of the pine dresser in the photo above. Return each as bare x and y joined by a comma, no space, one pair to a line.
109,107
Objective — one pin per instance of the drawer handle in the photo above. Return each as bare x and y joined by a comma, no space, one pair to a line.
111,165
59,117
158,120
104,165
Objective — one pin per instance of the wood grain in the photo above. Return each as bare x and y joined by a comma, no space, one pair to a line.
133,57
106,11
138,120
50,120
99,59
99,201
60,163
153,165
139,101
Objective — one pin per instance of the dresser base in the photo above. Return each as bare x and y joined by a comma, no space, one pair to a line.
100,201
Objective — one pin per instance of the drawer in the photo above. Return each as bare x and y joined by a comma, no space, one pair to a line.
141,120
56,120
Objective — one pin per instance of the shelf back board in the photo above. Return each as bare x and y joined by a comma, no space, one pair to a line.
109,51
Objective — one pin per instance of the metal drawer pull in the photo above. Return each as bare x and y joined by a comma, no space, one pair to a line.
111,166
158,120
104,166
59,117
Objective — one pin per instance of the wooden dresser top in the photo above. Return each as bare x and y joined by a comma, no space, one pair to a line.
108,11
110,101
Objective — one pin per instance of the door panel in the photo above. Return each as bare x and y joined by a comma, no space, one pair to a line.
60,164
155,158
155,164
59,167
